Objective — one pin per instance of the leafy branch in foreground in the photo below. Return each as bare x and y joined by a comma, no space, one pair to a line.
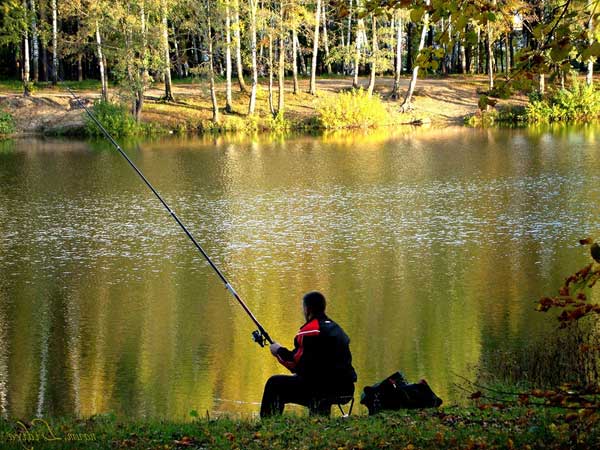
573,296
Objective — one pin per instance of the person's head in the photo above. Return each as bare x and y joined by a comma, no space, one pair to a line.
314,305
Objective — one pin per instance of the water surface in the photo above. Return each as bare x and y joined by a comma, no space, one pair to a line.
431,245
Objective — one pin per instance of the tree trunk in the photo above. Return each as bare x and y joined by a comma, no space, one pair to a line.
103,82
270,63
213,93
374,51
139,104
43,48
228,95
398,66
407,104
409,46
358,48
80,66
253,8
589,78
238,47
326,40
313,71
54,43
144,42
303,69
349,35
501,57
281,68
165,49
35,43
542,84
295,60
26,92
507,50
140,86
490,57
512,48
479,66
178,64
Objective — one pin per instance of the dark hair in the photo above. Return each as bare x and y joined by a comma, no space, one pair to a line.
315,302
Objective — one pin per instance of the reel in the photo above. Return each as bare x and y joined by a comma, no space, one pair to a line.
259,338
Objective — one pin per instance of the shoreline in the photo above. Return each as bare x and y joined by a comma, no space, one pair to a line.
437,101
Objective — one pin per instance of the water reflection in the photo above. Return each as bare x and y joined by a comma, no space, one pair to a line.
431,244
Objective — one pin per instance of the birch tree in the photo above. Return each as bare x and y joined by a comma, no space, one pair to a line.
35,43
313,73
228,67
253,12
407,104
166,53
238,46
374,55
54,42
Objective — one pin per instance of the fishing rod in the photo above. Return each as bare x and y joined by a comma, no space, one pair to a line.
259,336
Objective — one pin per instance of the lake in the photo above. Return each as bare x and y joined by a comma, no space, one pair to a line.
431,245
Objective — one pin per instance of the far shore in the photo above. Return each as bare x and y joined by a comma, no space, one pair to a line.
52,110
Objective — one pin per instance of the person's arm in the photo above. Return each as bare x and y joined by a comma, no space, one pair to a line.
291,359
286,357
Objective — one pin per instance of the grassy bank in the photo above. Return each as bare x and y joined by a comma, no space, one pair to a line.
467,428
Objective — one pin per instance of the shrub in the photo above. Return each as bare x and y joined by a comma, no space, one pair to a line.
278,124
579,103
115,118
7,123
352,109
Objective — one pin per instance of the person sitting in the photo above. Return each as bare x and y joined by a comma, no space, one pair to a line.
321,364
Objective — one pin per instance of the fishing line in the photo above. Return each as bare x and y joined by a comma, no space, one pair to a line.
260,336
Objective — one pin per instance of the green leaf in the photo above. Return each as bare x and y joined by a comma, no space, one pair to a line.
558,54
590,52
417,14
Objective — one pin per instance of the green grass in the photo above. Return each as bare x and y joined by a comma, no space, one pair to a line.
16,86
447,428
7,123
11,86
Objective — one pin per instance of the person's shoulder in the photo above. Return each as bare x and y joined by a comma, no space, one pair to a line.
310,327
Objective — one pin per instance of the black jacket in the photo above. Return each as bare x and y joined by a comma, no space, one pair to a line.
321,354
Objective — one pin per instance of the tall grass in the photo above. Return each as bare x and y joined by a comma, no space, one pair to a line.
570,355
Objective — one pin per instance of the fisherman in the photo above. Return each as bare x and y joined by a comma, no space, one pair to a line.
321,364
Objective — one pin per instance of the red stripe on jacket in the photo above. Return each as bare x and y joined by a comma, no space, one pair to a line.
309,329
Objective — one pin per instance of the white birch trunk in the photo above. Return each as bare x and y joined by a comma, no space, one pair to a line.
295,60
326,40
167,57
313,71
407,104
238,47
374,50
103,82
252,104
228,96
54,43
35,43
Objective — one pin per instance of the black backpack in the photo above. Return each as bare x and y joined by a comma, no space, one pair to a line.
395,393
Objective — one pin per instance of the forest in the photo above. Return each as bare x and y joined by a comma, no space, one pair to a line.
137,44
